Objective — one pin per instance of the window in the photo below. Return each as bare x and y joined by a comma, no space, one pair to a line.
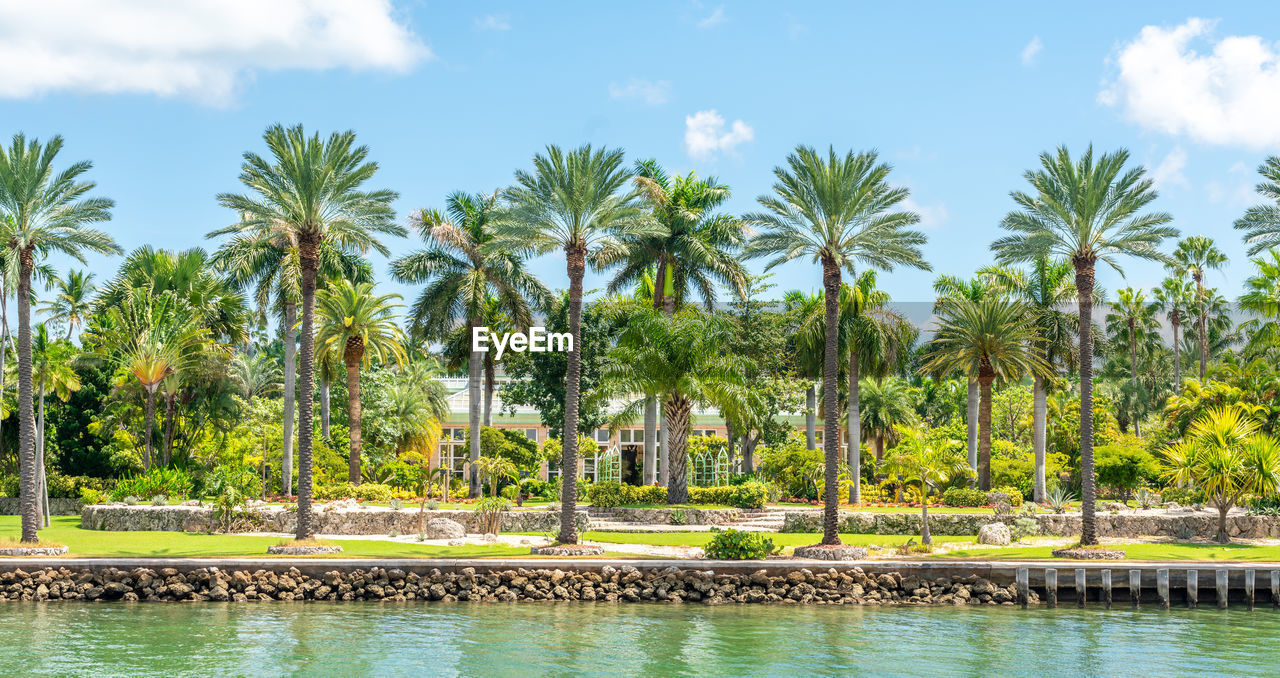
531,434
451,443
631,435
602,435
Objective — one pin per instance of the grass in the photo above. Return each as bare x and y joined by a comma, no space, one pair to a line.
676,506
1137,552
779,538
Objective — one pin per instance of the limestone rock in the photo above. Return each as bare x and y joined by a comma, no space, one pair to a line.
994,534
443,528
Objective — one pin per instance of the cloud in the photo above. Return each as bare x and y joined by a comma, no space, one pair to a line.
1031,51
1169,171
198,49
1227,93
493,22
931,216
1238,191
705,134
716,18
652,93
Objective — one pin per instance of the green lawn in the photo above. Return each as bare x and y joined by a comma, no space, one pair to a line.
1136,552
781,539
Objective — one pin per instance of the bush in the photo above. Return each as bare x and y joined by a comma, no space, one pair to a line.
746,495
171,482
533,487
1184,496
1125,466
964,497
610,493
605,494
10,486
734,545
363,492
1014,495
88,495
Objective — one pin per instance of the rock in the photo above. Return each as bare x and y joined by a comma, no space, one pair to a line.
443,528
457,542
490,538
995,534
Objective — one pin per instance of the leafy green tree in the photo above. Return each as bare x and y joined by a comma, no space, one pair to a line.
840,212
1126,467
360,326
1086,212
461,278
576,202
72,302
1174,298
886,406
45,212
1131,322
1193,256
1262,297
1261,223
950,287
988,340
308,193
53,372
929,465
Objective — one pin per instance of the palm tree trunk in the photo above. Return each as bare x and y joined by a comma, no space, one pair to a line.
490,379
575,254
831,422
749,452
324,404
4,339
1223,536
26,413
309,263
474,366
984,432
971,423
811,417
1088,488
677,409
353,415
855,427
148,422
733,444
1039,424
663,437
169,416
650,439
1201,325
1133,371
290,395
43,476
1177,354
926,539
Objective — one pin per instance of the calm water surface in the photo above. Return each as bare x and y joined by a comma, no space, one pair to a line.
371,639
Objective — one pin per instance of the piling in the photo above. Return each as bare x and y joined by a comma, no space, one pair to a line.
1193,588
1023,577
1080,586
1220,583
1162,587
1051,587
1135,587
1106,588
1275,589
1250,579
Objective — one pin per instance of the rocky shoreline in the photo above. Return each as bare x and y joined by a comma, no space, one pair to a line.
834,586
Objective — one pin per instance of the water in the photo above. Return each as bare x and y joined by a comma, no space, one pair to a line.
535,639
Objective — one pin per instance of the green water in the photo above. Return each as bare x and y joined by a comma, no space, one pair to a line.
536,639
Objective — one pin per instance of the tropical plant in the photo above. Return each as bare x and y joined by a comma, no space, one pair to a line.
1225,456
54,374
1262,297
257,375
461,278
929,466
950,287
886,407
1174,298
988,340
1193,256
71,303
310,193
1131,322
360,326
1085,211
1059,499
495,470
45,212
840,212
575,202
1261,223
806,350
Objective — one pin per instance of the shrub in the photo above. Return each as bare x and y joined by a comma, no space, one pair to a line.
734,545
490,511
1125,466
964,497
1184,496
750,495
159,500
362,492
171,482
1013,495
605,494
88,495
534,487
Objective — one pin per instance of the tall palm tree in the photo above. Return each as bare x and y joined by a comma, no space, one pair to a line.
577,202
1194,255
989,340
1132,321
1086,212
310,193
839,211
1262,297
950,287
885,406
266,260
461,276
1173,298
360,326
53,373
257,375
46,212
1046,286
72,302
1261,223
189,275
808,311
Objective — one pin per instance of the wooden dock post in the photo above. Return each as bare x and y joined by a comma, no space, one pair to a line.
1080,587
1250,583
1220,583
1162,587
1275,589
1106,588
1193,588
1051,587
1023,577
1135,587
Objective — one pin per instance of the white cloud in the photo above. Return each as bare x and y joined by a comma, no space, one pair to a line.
1238,191
200,49
493,22
1169,171
716,18
931,216
705,134
652,93
1031,51
1227,94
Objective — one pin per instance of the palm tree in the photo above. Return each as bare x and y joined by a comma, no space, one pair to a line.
54,374
1261,223
1131,322
885,406
1086,212
360,326
806,350
461,276
1196,254
257,375
1046,286
682,357
189,275
929,466
45,212
1262,297
574,202
950,287
311,194
840,212
988,340
1173,298
72,302
1226,455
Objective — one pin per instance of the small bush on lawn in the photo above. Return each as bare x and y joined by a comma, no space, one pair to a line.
605,494
964,497
734,545
363,492
171,482
1013,493
746,495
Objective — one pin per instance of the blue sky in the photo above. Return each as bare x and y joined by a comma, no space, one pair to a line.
452,96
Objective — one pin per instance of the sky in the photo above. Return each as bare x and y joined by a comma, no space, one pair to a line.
164,98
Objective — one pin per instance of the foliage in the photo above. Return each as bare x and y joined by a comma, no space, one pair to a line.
964,497
1059,498
790,466
231,487
751,495
490,510
511,444
362,492
1011,494
1126,465
732,544
171,482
